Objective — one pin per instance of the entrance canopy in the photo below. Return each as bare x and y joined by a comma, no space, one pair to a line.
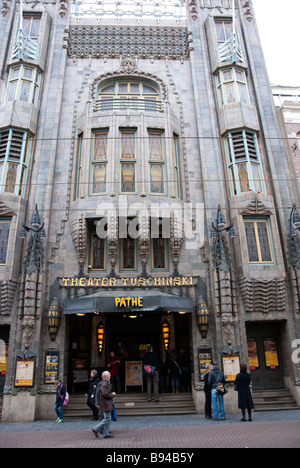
120,301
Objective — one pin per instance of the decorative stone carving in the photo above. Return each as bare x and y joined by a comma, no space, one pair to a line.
144,241
135,41
5,7
247,10
7,295
193,9
256,208
79,236
5,210
176,240
263,296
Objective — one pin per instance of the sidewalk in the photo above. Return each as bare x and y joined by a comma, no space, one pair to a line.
279,429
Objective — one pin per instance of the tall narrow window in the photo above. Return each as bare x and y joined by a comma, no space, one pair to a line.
159,246
24,84
15,150
128,161
245,171
258,241
99,162
176,165
157,162
98,253
4,235
128,254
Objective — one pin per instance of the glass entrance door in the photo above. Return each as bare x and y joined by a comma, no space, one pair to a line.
265,358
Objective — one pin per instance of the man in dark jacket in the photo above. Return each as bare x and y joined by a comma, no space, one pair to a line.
104,401
217,377
150,359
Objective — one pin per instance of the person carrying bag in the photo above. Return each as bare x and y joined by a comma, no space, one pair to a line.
216,381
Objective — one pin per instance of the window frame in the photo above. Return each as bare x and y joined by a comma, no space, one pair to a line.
266,222
6,220
222,86
91,267
166,255
135,255
10,158
97,162
33,17
250,158
157,162
110,101
20,80
128,161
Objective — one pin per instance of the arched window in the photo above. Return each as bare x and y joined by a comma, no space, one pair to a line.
134,95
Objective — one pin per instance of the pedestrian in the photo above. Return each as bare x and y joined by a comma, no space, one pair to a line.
174,372
91,394
60,398
207,391
104,401
216,377
113,365
185,366
150,359
242,384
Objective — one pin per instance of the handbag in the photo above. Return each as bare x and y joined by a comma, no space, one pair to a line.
114,415
149,370
221,390
66,400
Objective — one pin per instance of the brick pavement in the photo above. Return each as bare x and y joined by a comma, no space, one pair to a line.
268,430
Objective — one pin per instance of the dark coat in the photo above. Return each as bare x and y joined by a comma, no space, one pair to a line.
104,397
173,369
216,376
151,359
60,395
91,393
245,400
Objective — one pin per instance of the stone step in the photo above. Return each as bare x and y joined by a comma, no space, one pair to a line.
136,405
273,400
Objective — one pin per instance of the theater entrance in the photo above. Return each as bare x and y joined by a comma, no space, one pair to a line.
127,337
265,355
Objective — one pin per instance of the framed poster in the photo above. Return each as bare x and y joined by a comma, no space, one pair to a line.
253,354
204,359
51,367
231,366
25,372
133,373
271,353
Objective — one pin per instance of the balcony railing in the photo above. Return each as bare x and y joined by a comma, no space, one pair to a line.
107,105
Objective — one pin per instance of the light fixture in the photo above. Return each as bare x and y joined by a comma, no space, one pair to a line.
166,335
54,317
202,316
133,315
100,337
182,313
80,315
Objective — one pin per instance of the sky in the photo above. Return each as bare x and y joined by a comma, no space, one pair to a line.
279,25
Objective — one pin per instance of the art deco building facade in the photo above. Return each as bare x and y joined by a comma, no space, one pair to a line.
146,197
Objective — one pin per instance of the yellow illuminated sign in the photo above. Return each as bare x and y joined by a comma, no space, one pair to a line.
129,301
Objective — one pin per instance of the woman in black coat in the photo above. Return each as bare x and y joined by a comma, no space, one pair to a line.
245,401
91,393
